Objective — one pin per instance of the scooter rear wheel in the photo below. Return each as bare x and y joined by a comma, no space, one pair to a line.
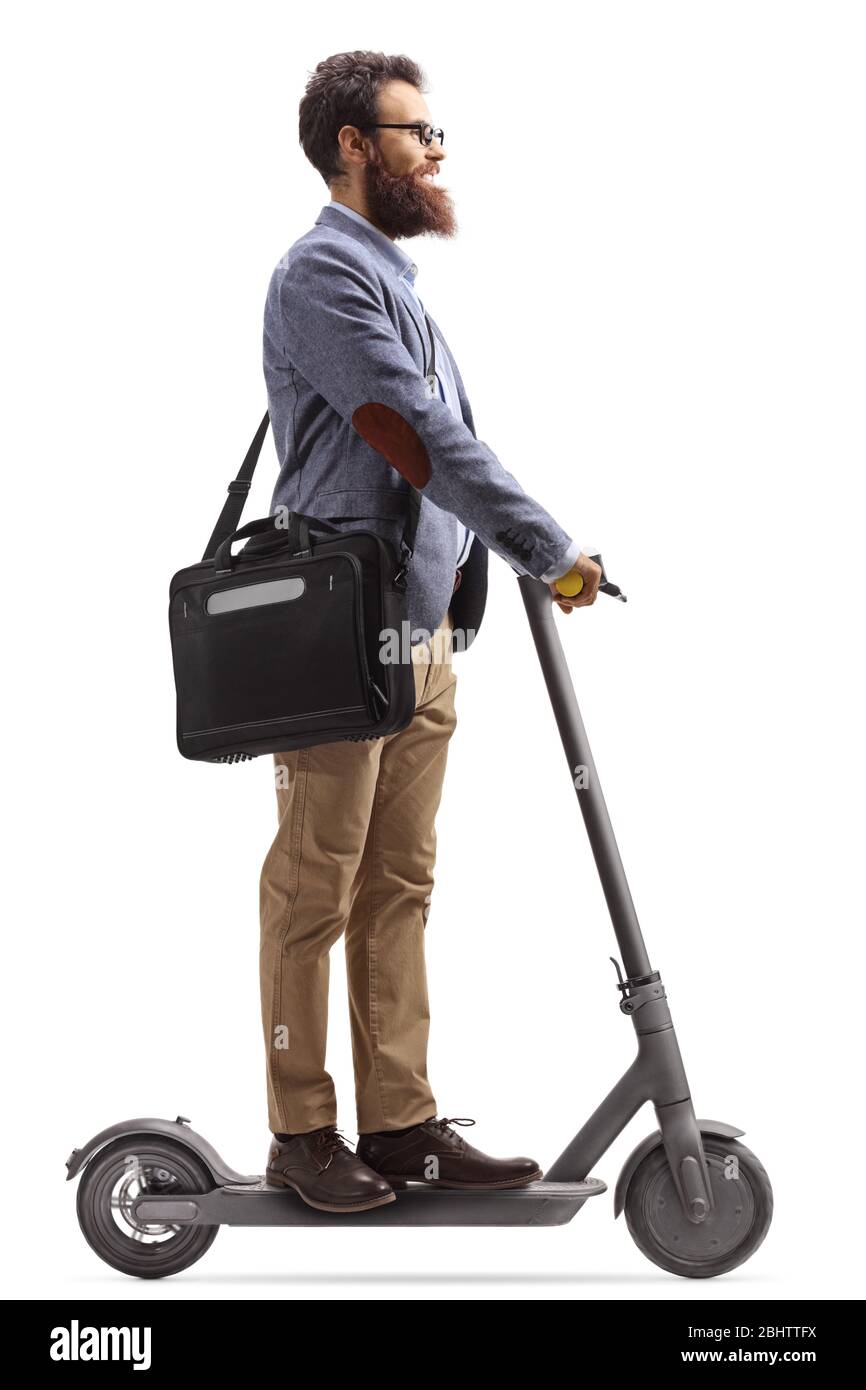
730,1234
123,1170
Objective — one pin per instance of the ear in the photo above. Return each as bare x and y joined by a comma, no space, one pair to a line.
386,431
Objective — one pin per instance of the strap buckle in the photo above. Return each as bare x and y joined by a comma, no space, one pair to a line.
405,556
239,485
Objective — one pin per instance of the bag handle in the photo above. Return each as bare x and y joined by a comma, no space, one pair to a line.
239,487
222,560
295,539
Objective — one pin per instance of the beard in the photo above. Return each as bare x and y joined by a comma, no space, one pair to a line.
406,205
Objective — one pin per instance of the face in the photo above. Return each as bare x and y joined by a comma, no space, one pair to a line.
399,178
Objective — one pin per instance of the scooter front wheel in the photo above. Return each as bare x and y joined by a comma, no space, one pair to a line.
124,1170
729,1235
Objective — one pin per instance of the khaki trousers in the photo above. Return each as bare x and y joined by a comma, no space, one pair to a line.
354,856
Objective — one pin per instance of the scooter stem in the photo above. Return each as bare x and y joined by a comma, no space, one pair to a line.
538,601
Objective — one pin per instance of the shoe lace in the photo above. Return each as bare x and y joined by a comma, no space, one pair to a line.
330,1141
443,1127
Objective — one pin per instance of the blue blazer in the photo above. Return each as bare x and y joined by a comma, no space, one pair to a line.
346,355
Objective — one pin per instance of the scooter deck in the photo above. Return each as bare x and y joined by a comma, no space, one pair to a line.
258,1204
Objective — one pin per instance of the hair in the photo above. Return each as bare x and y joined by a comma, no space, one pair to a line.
344,90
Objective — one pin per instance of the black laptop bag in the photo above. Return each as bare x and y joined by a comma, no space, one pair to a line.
300,638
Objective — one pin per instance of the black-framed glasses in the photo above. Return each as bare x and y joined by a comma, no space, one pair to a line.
426,133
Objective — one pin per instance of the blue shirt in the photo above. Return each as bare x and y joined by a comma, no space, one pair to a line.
407,270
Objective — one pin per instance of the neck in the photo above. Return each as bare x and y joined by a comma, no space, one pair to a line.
358,205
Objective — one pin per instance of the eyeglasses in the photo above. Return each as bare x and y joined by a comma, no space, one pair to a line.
426,133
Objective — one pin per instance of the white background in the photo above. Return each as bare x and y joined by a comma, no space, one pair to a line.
656,300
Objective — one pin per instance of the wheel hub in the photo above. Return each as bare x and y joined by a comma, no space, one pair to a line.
721,1231
139,1180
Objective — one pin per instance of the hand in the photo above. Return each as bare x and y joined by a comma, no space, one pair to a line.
590,573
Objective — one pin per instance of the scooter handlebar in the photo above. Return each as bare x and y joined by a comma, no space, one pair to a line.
570,585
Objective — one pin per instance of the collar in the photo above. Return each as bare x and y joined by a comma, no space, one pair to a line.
346,219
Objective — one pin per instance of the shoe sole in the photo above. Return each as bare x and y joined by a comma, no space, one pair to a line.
401,1182
277,1180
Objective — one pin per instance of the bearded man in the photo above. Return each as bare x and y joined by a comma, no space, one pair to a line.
360,416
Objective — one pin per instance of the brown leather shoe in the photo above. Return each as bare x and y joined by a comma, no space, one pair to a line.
324,1171
432,1153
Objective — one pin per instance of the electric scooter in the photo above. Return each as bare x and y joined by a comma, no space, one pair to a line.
153,1193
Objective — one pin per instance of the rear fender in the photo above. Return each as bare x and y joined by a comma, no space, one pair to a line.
171,1129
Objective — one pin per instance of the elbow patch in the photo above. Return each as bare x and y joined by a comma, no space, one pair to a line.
386,431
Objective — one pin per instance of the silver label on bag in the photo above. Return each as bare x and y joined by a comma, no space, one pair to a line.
254,595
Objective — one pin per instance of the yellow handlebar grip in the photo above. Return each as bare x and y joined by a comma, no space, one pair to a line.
569,585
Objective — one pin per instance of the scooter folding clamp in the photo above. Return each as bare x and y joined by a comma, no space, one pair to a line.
645,994
634,990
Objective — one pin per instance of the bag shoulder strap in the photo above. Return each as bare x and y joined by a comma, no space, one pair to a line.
238,488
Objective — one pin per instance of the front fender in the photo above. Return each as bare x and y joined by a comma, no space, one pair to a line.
652,1140
174,1129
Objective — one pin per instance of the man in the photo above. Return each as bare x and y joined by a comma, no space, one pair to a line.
358,415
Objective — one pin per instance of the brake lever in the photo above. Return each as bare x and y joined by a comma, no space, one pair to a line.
605,586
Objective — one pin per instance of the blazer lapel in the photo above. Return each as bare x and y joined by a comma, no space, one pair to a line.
417,317
461,389
331,218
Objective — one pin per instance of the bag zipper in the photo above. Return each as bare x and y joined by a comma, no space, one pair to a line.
369,683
